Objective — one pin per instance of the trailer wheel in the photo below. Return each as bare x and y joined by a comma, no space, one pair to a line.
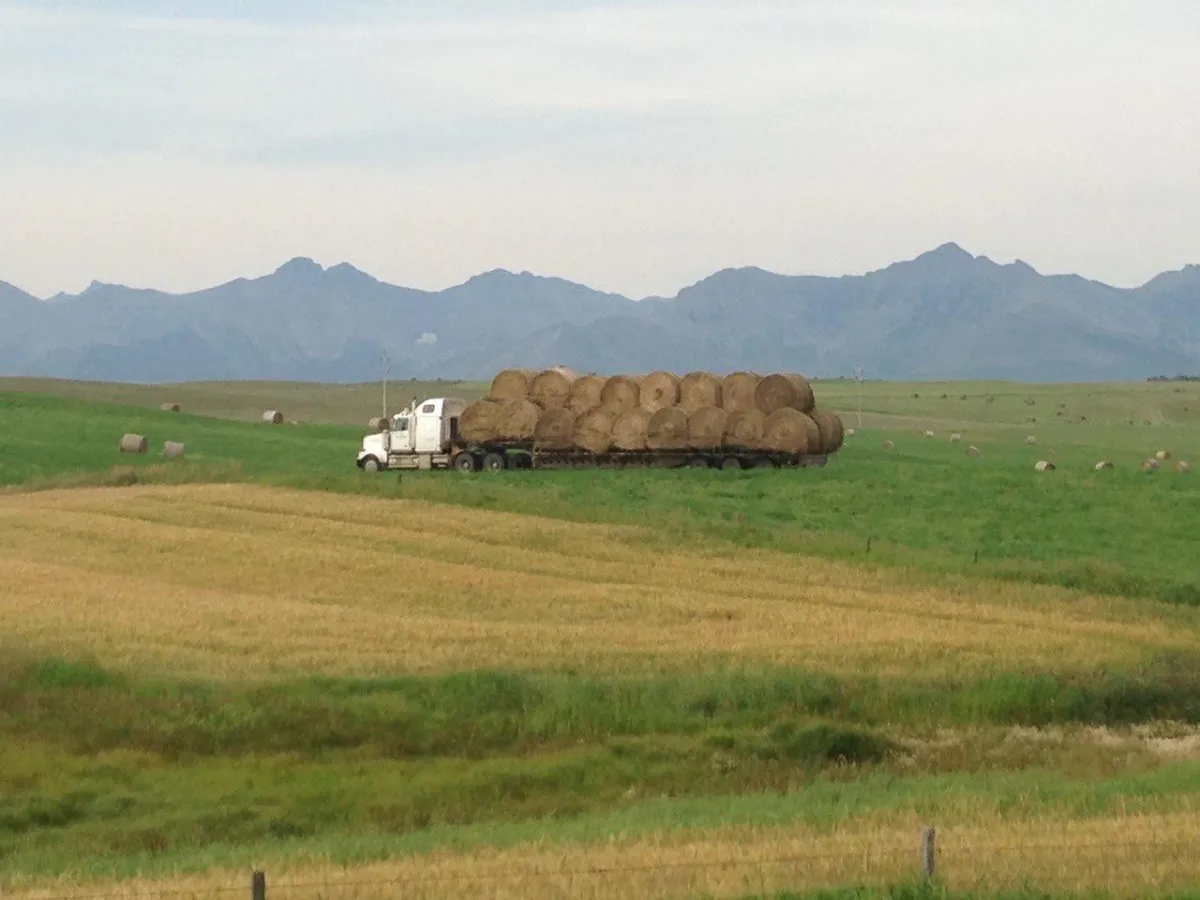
698,462
731,464
371,464
464,462
494,462
764,462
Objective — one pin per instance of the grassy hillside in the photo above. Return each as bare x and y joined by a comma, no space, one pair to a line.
655,683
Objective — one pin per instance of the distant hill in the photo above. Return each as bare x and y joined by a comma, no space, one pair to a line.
945,314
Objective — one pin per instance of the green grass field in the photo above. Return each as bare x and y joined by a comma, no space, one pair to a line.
113,770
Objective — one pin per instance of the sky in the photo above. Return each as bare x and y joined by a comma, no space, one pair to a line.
633,146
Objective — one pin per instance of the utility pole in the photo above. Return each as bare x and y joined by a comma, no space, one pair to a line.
859,376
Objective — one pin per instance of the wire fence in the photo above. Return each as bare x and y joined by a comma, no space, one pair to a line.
1117,868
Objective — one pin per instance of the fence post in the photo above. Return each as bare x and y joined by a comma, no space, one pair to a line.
258,886
928,852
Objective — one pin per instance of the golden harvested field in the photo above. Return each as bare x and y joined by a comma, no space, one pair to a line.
1124,856
238,580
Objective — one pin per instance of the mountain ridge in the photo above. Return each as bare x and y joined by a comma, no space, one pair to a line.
946,313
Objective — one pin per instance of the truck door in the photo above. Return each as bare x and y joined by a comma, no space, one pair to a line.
402,435
429,430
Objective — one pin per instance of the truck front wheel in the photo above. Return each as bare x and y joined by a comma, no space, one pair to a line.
464,462
371,464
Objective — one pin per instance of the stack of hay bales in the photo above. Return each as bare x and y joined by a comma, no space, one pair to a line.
560,410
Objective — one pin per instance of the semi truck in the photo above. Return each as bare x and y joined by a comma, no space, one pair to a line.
425,437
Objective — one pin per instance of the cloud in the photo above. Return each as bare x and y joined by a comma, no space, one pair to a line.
637,146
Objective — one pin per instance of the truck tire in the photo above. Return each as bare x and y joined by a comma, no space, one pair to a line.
494,462
465,462
371,464
764,462
698,462
731,464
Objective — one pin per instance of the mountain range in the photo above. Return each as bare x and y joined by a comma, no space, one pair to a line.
945,314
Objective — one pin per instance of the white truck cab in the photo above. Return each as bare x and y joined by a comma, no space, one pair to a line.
420,437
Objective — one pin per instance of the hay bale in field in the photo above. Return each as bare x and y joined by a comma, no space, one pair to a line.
1044,465
1031,440
585,394
551,388
929,434
657,391
480,421
956,438
851,432
744,429
738,391
698,390
706,427
518,420
170,407
555,429
377,423
889,445
629,429
973,451
133,443
511,384
667,429
621,393
1182,468
783,391
1103,465
1162,455
788,430
1150,465
174,450
593,430
272,417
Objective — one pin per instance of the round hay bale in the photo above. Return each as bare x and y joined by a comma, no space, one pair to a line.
972,451
738,391
555,429
786,391
170,407
929,434
1162,455
658,390
889,445
133,443
1103,465
273,417
585,394
1044,465
744,429
787,431
511,384
174,450
1150,465
480,421
629,429
1031,440
551,388
593,430
621,393
706,427
377,423
851,432
699,390
667,429
1182,468
830,433
518,420
955,438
